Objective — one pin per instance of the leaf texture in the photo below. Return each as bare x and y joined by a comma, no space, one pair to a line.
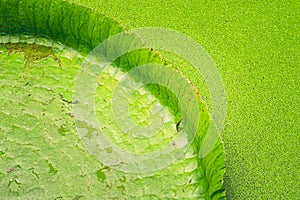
43,44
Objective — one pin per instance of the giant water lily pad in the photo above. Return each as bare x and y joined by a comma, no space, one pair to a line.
43,47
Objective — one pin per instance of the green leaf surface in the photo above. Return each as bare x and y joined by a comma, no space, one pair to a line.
43,45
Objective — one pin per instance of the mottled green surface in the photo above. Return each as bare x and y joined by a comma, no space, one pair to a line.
255,45
42,157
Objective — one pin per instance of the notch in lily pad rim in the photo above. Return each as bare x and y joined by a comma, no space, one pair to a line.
117,45
187,48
